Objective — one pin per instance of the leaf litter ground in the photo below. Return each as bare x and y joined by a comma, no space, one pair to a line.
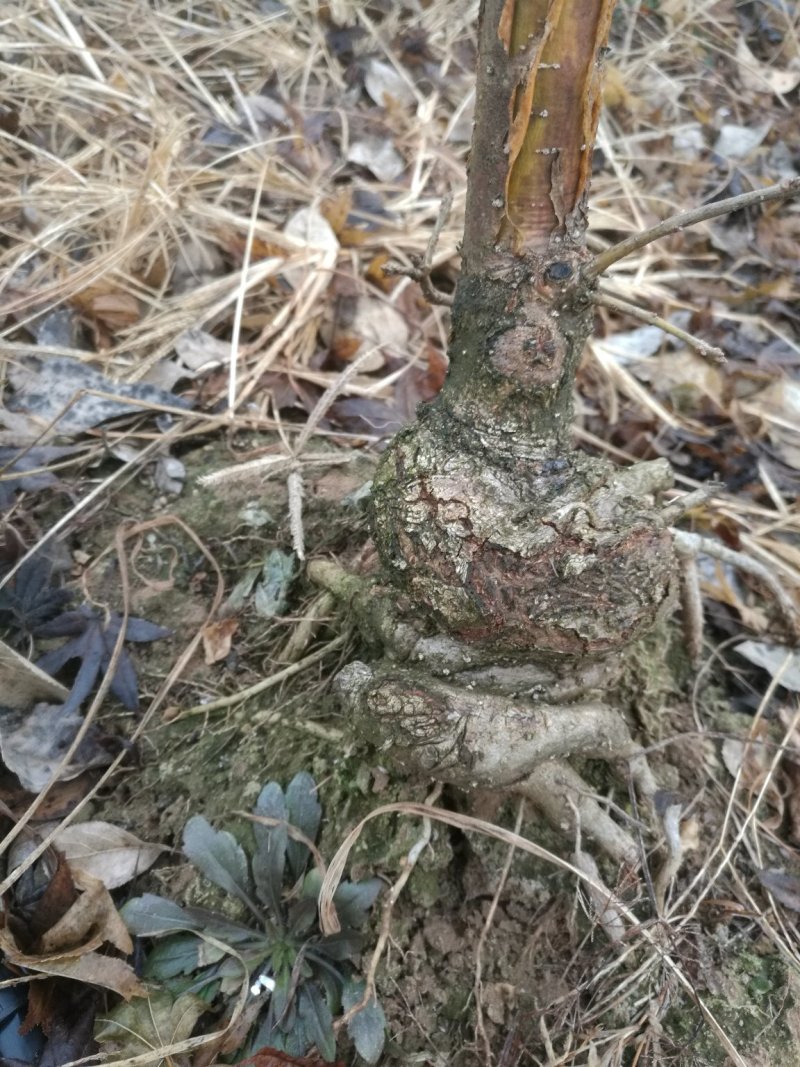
178,185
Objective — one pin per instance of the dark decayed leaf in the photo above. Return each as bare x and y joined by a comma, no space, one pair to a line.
271,843
30,599
58,390
367,1028
92,639
304,811
33,743
219,856
16,468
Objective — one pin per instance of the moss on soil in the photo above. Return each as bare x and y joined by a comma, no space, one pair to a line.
755,1002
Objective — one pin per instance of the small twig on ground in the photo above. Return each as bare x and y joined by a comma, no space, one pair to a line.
702,348
480,1027
420,270
670,809
693,545
266,683
782,191
691,604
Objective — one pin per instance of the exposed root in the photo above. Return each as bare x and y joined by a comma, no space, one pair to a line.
481,739
565,800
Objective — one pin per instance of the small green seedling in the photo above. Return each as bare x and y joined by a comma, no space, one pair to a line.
303,977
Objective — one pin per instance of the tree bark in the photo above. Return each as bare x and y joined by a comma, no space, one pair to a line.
485,517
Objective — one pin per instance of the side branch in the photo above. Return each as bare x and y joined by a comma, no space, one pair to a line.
702,348
783,191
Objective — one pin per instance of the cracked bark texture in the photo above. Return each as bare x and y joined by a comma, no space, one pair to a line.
521,568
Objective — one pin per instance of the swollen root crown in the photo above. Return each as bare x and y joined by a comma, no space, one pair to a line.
532,551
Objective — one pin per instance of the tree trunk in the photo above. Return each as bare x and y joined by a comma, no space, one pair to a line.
520,566
485,516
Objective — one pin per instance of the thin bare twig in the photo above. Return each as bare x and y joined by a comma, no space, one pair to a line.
266,683
622,307
420,269
782,191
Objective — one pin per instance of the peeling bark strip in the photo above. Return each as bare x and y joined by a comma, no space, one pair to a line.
542,68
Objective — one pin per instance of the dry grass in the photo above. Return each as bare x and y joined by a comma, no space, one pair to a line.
152,156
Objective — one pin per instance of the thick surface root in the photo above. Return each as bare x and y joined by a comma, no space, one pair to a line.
480,739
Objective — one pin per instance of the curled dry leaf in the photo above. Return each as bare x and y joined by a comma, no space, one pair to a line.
92,916
217,639
106,852
70,947
92,968
114,308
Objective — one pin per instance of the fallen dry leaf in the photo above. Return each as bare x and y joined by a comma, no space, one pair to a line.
106,852
777,660
379,156
90,967
364,327
784,887
385,85
58,391
147,1025
92,916
308,228
23,684
217,638
33,743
